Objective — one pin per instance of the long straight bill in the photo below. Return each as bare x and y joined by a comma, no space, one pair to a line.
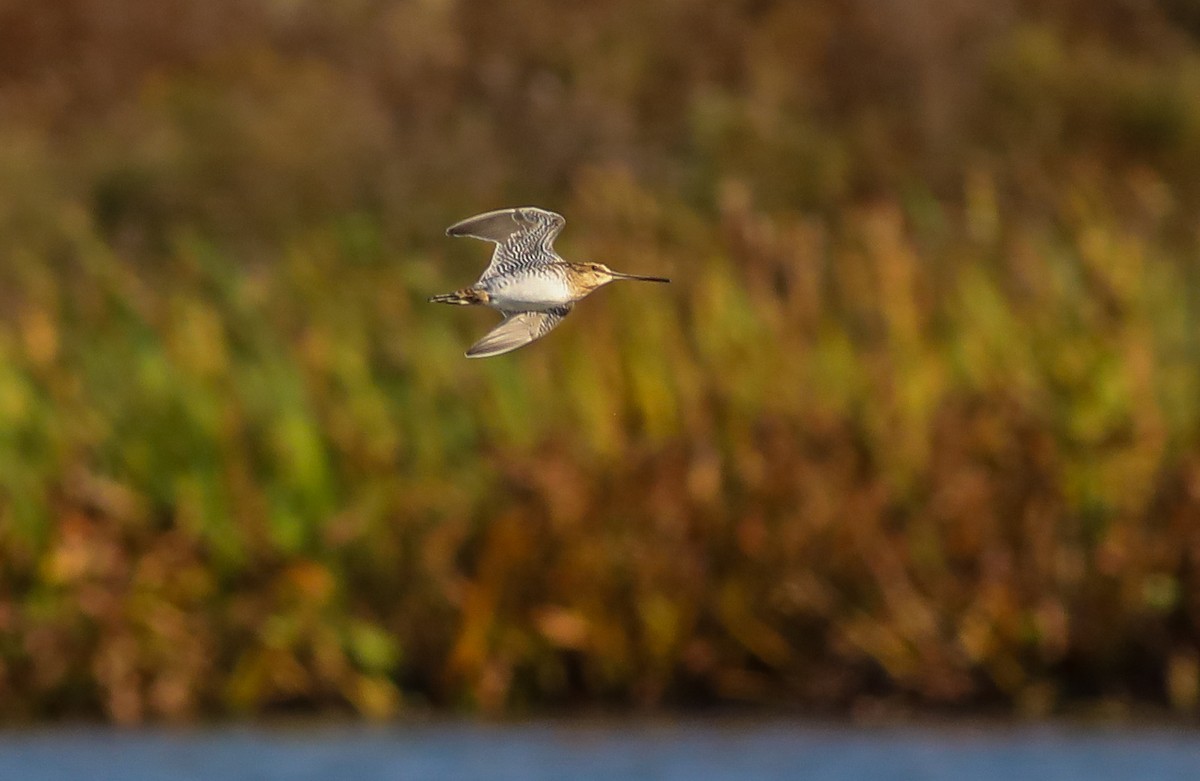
639,278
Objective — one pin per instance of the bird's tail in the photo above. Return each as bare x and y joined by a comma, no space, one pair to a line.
465,297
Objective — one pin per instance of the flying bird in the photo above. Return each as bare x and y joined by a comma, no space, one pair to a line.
526,281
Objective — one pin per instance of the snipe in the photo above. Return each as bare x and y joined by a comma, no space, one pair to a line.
526,281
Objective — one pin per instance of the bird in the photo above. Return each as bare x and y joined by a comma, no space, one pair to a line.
527,281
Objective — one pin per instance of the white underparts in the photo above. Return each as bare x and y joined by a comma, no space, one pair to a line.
524,292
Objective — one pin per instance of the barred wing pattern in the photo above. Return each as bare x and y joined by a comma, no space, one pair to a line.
518,330
524,237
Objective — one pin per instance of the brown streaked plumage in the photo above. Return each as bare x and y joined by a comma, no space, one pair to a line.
526,281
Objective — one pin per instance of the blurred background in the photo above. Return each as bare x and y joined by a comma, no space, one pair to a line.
915,429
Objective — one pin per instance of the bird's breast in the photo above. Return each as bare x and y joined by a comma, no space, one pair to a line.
530,290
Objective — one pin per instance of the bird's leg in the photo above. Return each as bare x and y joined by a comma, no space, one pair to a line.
465,297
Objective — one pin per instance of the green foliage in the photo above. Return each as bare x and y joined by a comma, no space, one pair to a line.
917,421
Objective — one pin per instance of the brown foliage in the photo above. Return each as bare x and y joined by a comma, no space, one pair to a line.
915,425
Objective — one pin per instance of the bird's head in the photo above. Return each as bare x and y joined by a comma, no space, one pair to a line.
594,275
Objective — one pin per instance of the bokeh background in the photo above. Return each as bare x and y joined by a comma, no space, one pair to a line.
917,427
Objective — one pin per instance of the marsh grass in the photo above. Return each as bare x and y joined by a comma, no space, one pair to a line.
917,421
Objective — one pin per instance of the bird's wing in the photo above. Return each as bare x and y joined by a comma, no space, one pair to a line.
518,330
523,236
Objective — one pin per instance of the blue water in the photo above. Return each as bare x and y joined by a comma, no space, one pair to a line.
529,752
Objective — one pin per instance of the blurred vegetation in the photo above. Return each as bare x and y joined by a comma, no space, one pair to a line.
918,423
